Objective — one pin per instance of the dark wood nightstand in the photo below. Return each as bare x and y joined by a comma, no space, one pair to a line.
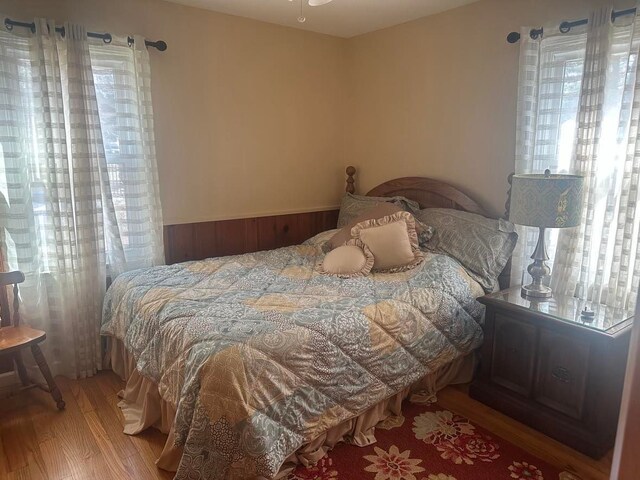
546,367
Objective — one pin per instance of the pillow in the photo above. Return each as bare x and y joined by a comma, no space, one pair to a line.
381,210
351,260
425,232
482,245
377,211
392,240
354,205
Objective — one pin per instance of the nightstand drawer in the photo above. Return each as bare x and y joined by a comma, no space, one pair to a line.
561,380
513,357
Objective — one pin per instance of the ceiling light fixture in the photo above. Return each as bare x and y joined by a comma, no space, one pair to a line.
312,3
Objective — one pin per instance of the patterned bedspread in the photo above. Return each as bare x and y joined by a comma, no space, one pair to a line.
260,354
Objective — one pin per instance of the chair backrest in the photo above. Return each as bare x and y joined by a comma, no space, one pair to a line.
7,279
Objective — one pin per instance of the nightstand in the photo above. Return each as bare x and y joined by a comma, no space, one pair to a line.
543,365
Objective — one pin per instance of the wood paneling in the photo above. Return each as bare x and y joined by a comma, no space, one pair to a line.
195,241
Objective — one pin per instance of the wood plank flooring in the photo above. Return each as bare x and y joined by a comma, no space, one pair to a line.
534,442
86,442
83,442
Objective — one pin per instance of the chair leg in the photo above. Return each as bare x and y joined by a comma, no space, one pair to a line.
22,372
46,373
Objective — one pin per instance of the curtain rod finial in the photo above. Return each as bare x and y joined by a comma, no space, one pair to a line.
513,37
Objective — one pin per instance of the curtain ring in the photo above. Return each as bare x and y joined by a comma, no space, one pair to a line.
107,38
7,24
565,27
130,41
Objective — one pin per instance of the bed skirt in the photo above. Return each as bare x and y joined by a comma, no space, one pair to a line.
143,407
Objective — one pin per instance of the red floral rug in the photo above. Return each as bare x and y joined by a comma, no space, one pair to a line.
429,443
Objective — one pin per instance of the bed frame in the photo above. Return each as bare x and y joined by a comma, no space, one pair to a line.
430,193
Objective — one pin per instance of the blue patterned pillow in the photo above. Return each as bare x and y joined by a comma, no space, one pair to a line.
482,245
353,206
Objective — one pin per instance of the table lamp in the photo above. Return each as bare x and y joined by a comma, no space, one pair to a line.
544,201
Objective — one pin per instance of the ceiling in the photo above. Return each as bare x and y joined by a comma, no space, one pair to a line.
342,18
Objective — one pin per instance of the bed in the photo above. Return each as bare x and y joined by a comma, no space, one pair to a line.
254,363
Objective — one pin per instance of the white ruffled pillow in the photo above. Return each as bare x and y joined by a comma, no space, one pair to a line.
393,241
354,259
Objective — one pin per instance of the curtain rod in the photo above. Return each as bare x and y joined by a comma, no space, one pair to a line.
106,37
565,26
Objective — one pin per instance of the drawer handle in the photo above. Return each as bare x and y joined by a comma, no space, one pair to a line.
561,374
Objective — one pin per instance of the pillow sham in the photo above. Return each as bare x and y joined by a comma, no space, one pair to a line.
351,260
393,241
482,245
343,235
353,206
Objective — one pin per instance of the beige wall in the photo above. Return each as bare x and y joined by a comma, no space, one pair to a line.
437,96
255,119
247,114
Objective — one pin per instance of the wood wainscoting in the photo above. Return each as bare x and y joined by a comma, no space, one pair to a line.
195,241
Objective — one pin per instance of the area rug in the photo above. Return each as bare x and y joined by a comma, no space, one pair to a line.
429,443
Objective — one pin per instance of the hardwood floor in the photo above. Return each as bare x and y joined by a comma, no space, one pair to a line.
86,442
536,443
83,442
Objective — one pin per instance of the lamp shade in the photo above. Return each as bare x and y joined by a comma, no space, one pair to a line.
546,200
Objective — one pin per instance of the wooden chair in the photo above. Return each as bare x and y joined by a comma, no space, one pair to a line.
15,337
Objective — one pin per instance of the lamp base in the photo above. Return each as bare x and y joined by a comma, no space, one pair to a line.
536,291
538,270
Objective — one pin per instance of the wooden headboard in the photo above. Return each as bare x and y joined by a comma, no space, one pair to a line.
430,193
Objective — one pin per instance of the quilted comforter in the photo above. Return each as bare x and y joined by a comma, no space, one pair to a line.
260,354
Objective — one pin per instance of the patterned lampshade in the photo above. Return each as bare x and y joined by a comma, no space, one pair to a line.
546,200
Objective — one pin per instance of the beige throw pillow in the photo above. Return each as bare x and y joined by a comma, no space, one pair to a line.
344,234
351,260
392,240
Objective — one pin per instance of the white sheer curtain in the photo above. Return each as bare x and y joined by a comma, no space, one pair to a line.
578,112
62,210
122,76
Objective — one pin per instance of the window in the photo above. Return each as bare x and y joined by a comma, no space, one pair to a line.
578,112
40,201
124,102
